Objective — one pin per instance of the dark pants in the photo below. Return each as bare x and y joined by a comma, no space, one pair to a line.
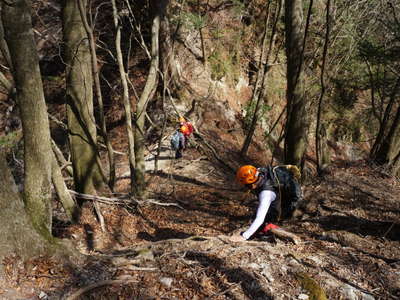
182,145
178,153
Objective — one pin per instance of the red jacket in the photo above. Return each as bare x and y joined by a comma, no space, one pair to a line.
189,126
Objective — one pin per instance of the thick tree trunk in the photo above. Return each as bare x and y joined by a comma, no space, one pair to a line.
297,114
81,122
16,231
148,92
33,111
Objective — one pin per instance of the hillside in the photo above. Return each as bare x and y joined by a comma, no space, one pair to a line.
176,246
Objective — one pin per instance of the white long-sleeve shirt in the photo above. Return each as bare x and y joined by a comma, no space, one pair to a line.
265,199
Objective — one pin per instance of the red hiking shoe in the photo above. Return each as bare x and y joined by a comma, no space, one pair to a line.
268,227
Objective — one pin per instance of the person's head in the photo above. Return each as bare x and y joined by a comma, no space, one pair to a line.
181,119
247,175
185,129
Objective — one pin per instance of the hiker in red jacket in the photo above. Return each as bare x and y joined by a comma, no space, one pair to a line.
186,128
179,139
269,184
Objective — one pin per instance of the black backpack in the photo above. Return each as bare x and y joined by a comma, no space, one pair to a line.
286,179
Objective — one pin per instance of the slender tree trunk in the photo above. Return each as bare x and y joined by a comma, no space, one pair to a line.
318,141
203,49
127,104
95,70
388,150
69,205
377,149
297,115
7,84
262,75
148,92
79,91
4,47
171,73
35,124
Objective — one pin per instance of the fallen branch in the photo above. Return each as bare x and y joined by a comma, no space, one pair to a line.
286,235
387,231
160,203
83,290
118,201
99,198
99,215
133,268
232,287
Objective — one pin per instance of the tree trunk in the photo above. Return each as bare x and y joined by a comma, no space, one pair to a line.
16,231
7,84
297,115
127,103
148,92
33,111
320,141
4,47
262,75
69,205
171,74
388,151
79,91
95,70
378,151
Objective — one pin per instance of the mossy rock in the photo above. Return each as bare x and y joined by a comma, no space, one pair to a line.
315,292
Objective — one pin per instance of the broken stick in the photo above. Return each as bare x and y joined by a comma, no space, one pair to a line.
286,235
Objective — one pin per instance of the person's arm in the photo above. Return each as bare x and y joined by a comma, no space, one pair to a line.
265,200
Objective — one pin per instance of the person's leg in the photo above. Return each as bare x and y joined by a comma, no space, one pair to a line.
178,153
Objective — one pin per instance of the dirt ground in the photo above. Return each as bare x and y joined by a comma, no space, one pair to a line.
175,245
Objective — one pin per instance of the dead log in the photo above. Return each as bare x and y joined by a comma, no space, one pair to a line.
282,233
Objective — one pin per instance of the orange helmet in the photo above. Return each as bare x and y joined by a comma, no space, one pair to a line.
185,129
246,174
181,119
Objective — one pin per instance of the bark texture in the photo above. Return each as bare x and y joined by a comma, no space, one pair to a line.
96,77
297,119
260,87
30,98
148,92
16,230
127,103
79,89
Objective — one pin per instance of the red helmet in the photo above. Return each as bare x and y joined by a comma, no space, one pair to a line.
246,174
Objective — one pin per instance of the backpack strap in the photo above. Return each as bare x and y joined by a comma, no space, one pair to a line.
278,184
